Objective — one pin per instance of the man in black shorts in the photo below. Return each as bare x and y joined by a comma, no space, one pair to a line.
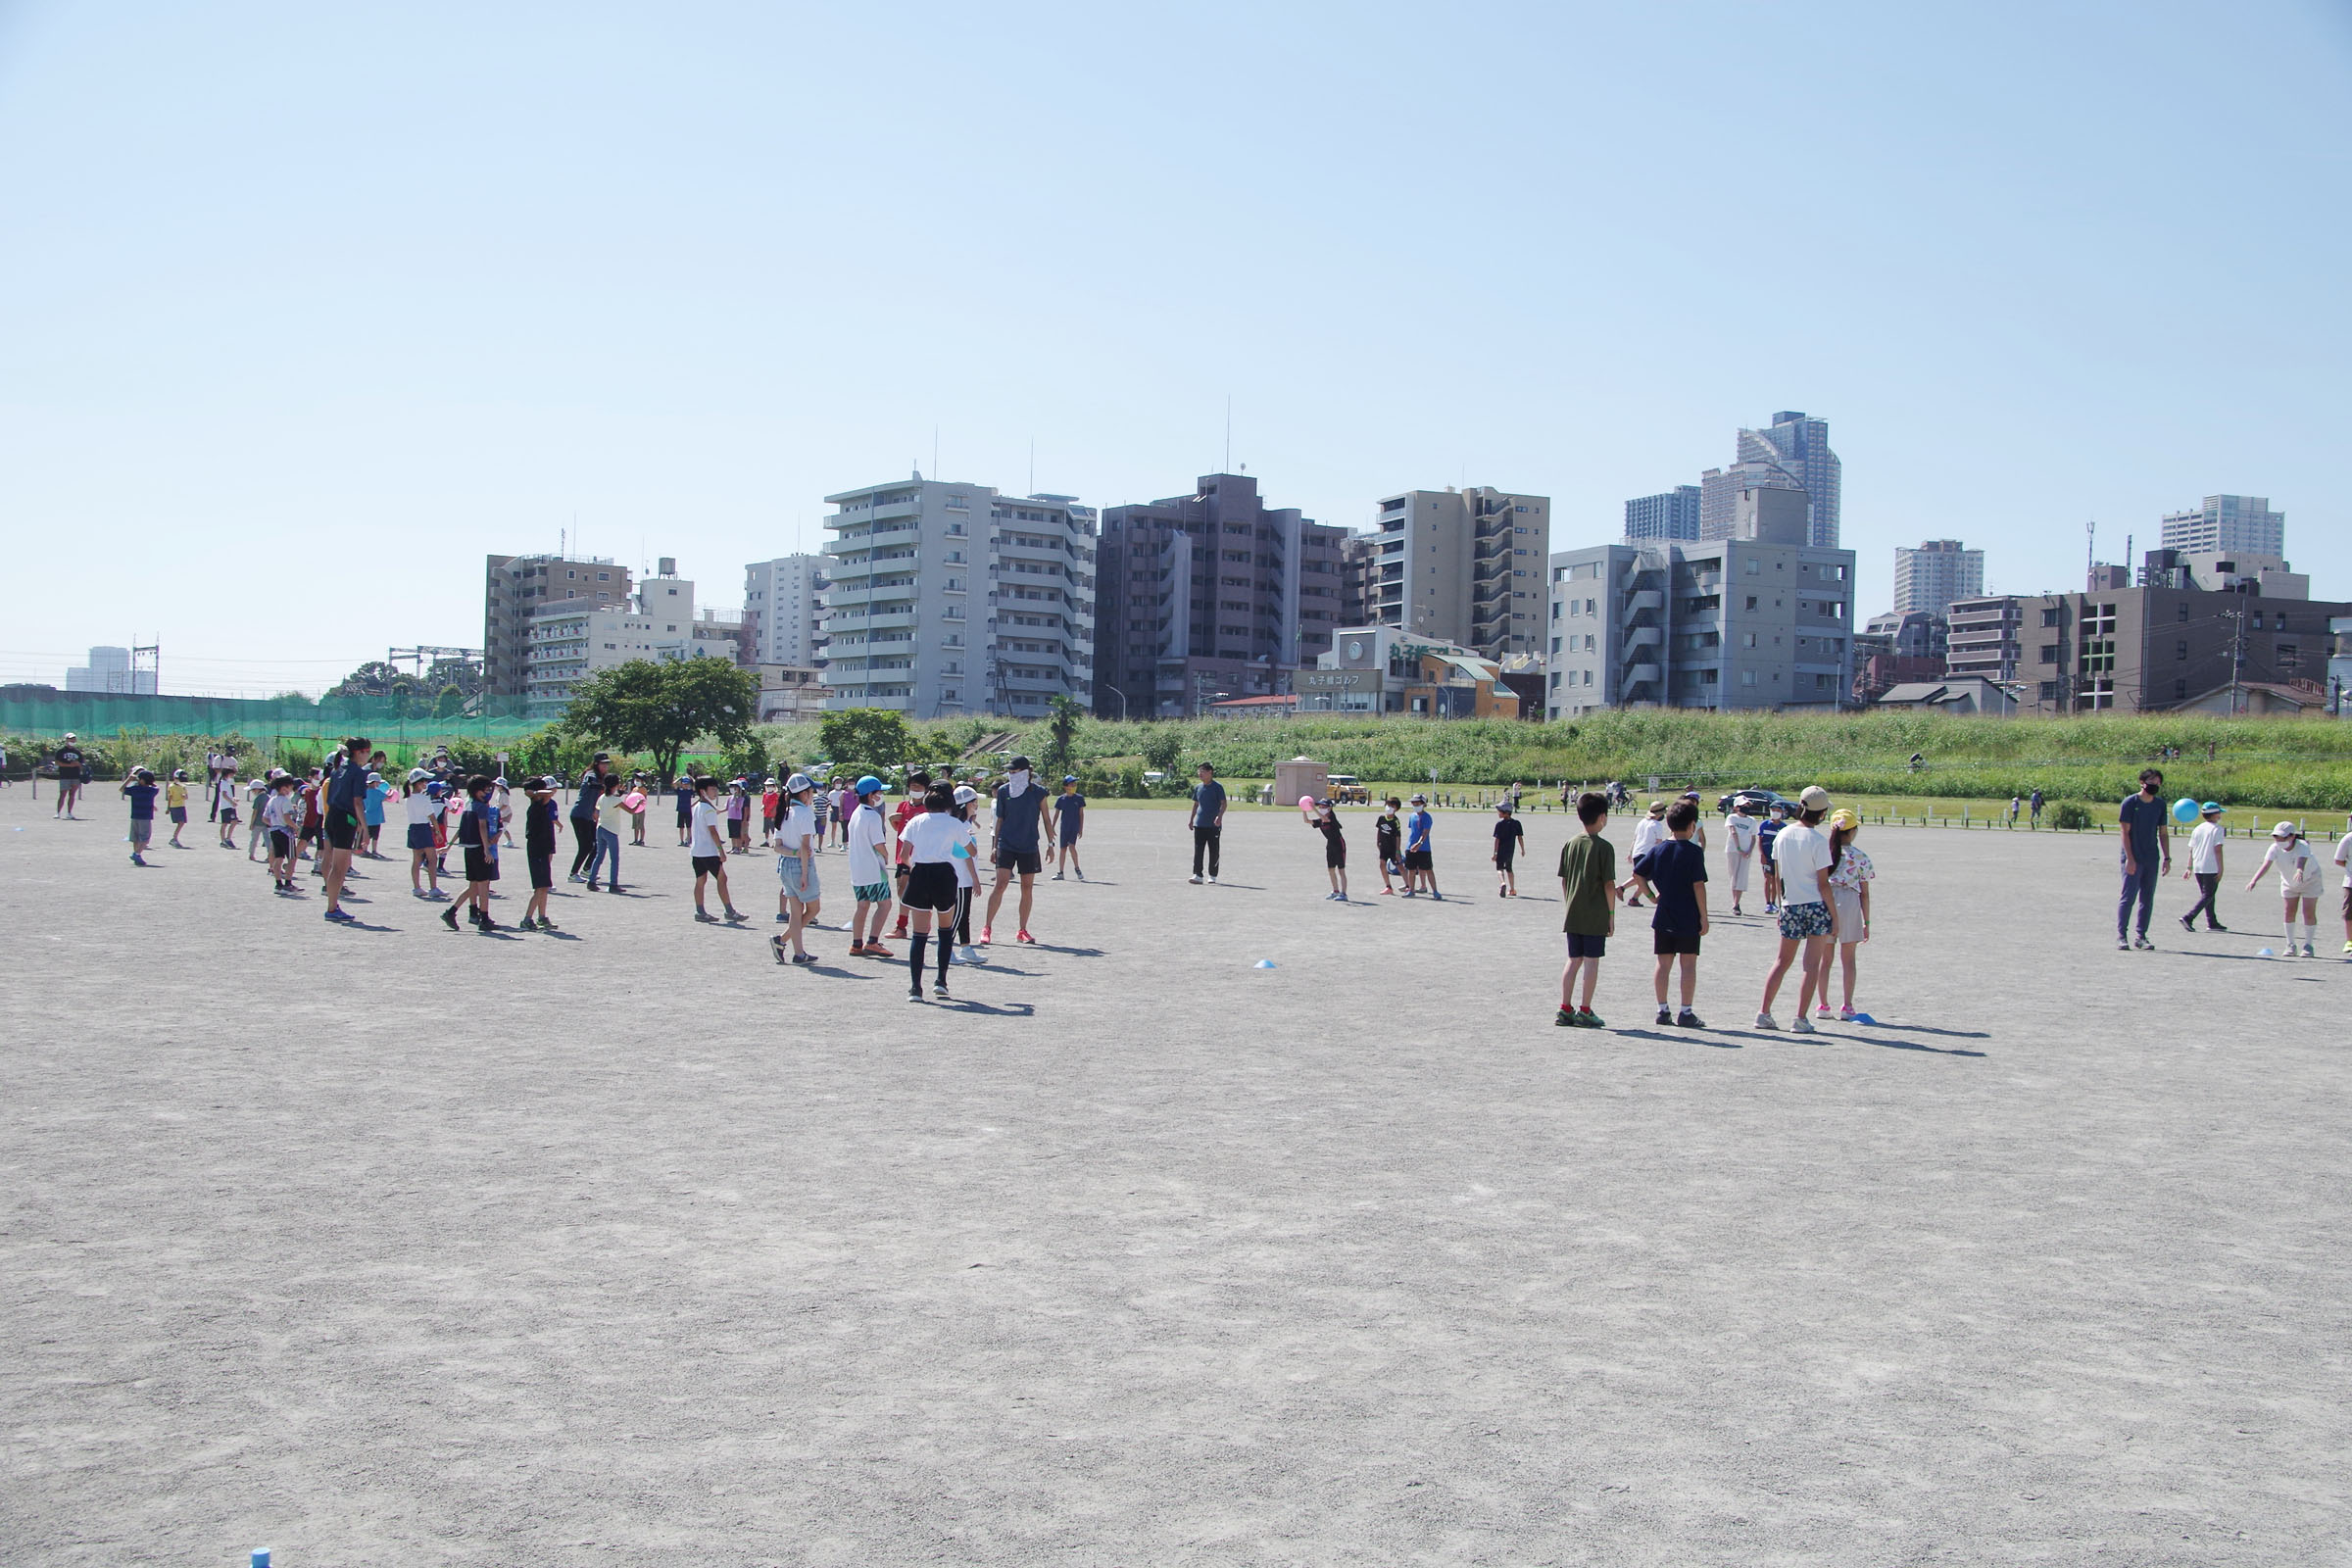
68,760
1018,842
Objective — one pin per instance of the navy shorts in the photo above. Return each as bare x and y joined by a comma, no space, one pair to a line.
1025,862
1580,946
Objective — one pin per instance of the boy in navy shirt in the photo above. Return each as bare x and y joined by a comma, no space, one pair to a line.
1674,873
140,790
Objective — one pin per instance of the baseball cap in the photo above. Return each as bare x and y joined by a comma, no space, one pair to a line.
966,794
2284,830
1069,778
1814,798
797,783
2211,808
1420,800
417,775
1841,817
868,784
1324,800
1019,764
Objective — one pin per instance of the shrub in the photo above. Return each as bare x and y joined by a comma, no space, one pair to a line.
2072,816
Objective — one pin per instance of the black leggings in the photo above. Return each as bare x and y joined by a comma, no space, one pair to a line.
2209,883
583,828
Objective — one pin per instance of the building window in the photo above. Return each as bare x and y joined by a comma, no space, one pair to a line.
1747,677
2049,691
2050,617
2181,650
2049,653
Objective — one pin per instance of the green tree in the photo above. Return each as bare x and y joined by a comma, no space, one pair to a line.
1163,747
463,673
450,703
1061,731
376,678
659,708
866,740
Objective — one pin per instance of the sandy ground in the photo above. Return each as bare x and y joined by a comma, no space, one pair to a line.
392,1246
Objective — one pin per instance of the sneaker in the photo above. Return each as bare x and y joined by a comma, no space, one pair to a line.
775,945
915,994
1212,881
1567,1018
1770,908
939,989
705,917
1057,876
1390,893
613,886
783,919
2310,952
2143,944
735,915
1082,876
489,927
1498,893
594,886
988,933
1686,1019
1587,1018
1438,897
134,859
2216,928
1822,1012
1665,1016
449,917
1025,937
576,877
2187,924
2123,944
804,957
1801,1025
1193,880
1845,1015
545,924
1764,1022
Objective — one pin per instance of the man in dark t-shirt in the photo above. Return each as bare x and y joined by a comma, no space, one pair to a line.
1509,834
1207,822
2147,858
68,758
1019,841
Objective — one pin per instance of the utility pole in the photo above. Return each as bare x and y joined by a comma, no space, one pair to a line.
2237,655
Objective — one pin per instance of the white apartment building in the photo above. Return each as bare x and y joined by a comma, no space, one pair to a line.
1929,578
566,644
782,604
946,599
2228,526
110,671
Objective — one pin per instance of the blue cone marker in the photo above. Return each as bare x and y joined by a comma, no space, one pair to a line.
261,1557
1263,964
1864,1017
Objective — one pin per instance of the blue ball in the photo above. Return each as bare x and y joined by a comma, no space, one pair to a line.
2184,811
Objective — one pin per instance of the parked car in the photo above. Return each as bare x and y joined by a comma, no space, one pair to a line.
1346,791
1754,800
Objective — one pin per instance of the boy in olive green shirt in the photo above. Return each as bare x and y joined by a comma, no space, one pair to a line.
1589,888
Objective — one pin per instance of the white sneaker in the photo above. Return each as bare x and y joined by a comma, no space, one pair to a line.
2310,952
1801,1026
1193,880
1764,1022
1212,881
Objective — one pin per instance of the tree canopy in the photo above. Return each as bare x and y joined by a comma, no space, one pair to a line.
867,740
657,709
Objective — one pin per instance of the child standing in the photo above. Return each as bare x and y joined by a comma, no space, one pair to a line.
141,792
1420,864
539,849
477,836
1510,835
1335,849
967,872
2300,880
1589,888
1387,843
225,813
710,848
2344,863
1850,877
796,841
869,871
175,804
1646,834
1674,872
281,814
257,797
2205,865
1738,851
1069,820
424,838
1775,818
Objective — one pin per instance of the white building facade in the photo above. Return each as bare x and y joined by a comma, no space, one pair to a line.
946,599
566,644
782,602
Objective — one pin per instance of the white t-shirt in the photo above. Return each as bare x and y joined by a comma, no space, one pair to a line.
283,812
2205,847
2299,873
967,856
710,829
419,807
1646,833
930,836
1798,853
870,840
798,822
1741,831
2343,857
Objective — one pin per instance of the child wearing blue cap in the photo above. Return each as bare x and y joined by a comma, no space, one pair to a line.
2205,865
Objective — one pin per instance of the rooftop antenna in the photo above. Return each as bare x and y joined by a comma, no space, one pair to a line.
2091,549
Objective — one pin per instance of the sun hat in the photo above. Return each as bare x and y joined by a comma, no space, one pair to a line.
1814,798
2284,830
2212,809
1657,807
1841,817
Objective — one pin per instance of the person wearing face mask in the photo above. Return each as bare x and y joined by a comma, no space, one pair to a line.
1021,841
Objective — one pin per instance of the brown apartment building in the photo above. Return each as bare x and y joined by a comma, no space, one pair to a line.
2142,650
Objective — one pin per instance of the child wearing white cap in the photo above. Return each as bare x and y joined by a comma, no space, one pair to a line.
2344,863
2300,879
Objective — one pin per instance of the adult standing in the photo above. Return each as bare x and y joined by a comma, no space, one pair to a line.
3,767
1207,822
2033,804
343,796
2146,836
1806,905
71,765
1739,850
1019,840
584,814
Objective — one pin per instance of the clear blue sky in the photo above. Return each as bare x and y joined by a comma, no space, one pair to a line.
383,289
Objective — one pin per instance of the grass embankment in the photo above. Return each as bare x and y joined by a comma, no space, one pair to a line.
2271,763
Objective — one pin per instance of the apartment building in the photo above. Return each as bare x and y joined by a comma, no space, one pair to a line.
781,603
1761,620
946,599
2226,525
1793,453
515,588
1982,637
1929,577
2152,650
569,640
1463,567
1211,596
1669,515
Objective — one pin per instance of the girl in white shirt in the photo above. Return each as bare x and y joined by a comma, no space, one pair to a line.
2300,879
419,809
1739,853
931,840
